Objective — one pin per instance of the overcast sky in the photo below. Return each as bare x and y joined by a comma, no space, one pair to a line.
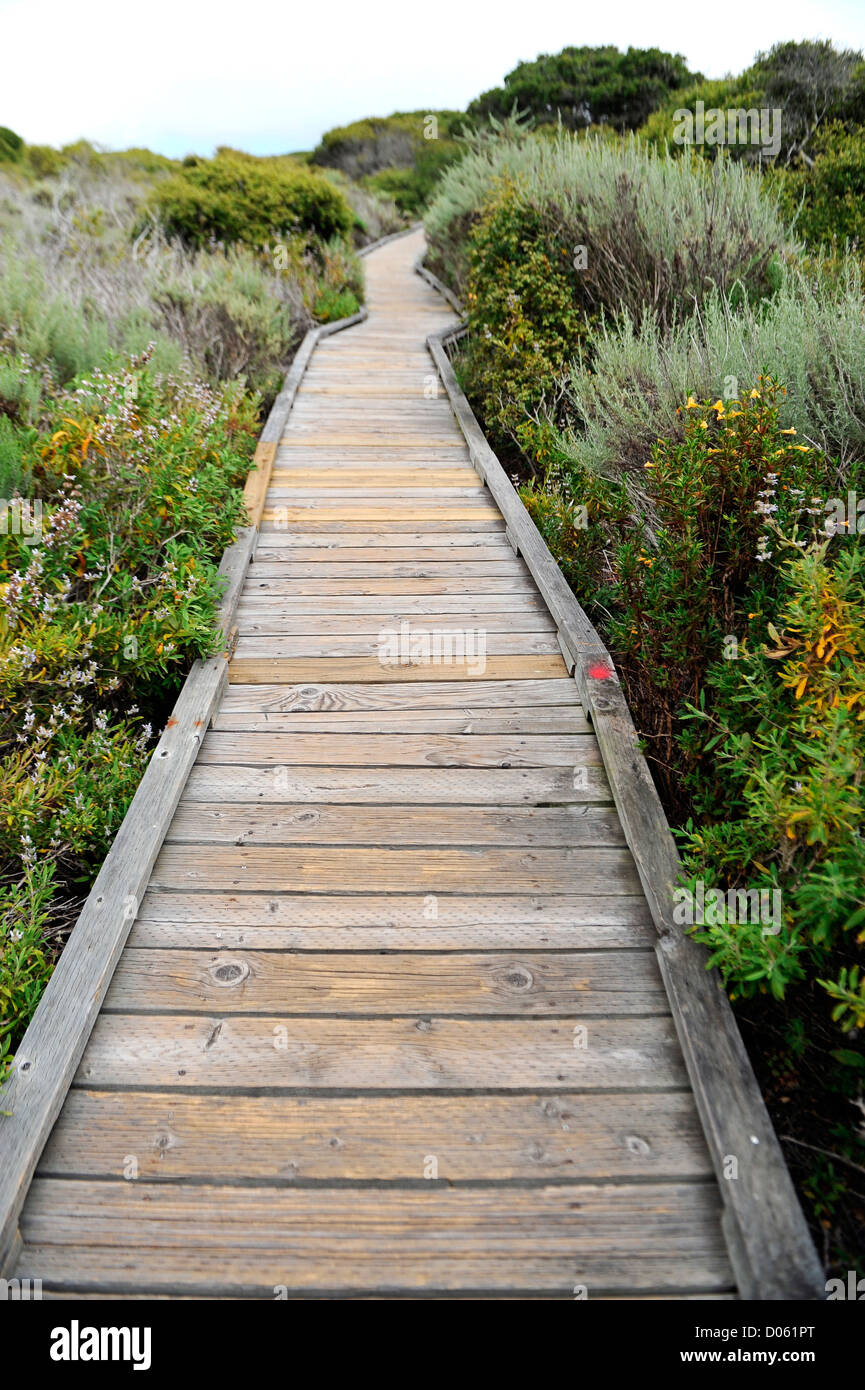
179,76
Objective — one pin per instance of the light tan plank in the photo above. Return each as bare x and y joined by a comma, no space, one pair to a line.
478,644
558,719
265,671
334,750
268,616
317,869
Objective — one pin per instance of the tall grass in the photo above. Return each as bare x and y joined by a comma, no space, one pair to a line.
76,286
657,231
810,335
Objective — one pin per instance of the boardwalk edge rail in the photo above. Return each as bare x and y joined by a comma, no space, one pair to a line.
49,1053
770,1246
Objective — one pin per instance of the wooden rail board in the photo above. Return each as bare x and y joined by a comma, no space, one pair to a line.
392,938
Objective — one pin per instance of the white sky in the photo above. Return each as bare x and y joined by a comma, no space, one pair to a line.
179,76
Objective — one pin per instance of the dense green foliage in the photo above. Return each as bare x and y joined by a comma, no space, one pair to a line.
544,236
399,156
588,86
236,198
827,198
106,598
810,84
684,492
11,145
627,388
119,474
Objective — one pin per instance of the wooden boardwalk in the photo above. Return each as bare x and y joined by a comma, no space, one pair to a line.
389,1021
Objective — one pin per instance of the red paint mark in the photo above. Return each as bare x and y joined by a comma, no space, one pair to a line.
600,671
171,723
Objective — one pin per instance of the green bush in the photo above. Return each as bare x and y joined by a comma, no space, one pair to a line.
783,807
810,84
582,86
827,199
724,94
657,231
237,198
44,161
25,956
138,480
11,145
574,229
665,573
400,156
526,309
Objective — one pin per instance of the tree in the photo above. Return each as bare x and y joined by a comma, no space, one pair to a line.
809,82
11,145
589,86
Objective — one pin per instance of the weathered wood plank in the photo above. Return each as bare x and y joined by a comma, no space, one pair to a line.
262,616
265,576
326,869
450,786
351,669
495,553
571,826
626,927
540,913
334,750
232,1054
377,1138
487,544
558,719
486,524
285,567
353,983
253,1240
375,646
399,605
258,481
394,479
468,695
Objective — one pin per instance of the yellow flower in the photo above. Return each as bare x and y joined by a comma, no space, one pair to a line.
719,406
648,465
790,431
755,395
692,404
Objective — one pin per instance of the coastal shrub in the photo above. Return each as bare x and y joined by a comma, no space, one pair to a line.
236,198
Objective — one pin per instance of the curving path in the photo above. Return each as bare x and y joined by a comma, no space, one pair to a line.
389,1021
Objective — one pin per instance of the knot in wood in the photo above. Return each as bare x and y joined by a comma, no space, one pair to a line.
229,972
